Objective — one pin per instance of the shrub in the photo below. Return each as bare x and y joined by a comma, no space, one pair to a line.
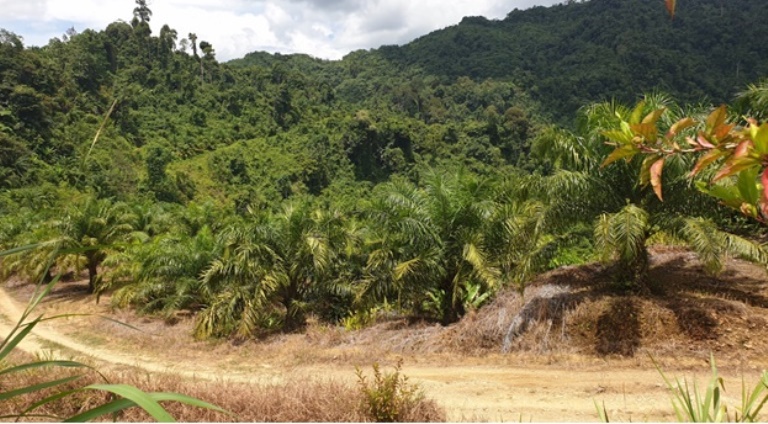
389,397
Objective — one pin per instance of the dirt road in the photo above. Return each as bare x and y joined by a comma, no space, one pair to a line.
499,388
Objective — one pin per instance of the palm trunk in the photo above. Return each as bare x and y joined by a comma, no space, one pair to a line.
92,275
635,273
451,310
294,316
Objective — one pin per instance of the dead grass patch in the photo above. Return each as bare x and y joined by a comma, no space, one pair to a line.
294,401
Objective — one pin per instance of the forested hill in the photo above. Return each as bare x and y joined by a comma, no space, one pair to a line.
267,127
569,55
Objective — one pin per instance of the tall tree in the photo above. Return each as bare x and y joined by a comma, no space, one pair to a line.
142,11
193,42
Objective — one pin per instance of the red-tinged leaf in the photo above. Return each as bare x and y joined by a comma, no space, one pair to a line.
706,160
703,142
647,130
680,125
656,170
764,180
723,130
734,166
764,200
716,119
654,116
625,151
742,150
692,142
671,5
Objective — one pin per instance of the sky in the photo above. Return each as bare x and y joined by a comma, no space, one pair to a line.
327,29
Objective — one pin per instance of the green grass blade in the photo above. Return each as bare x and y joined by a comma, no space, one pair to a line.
92,315
36,387
109,408
121,404
19,249
46,417
47,400
176,397
8,346
602,413
36,301
41,364
139,397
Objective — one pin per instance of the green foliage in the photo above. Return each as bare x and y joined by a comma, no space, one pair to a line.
692,405
600,181
566,56
621,237
322,171
738,153
389,397
280,262
432,239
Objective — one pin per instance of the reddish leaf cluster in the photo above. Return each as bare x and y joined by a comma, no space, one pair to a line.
740,153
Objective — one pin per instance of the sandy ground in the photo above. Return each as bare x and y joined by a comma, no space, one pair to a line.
490,388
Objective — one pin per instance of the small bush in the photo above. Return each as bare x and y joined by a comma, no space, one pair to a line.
389,397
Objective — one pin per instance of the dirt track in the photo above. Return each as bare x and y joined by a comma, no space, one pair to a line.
499,388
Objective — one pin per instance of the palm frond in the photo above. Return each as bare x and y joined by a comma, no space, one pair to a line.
707,241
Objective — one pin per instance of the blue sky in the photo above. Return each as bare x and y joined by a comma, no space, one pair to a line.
322,28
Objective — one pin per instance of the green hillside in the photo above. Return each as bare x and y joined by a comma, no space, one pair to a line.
569,55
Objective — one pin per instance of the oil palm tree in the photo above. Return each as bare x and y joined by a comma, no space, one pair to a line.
165,272
431,242
276,263
626,213
92,229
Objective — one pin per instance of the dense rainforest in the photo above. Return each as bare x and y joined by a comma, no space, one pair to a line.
261,191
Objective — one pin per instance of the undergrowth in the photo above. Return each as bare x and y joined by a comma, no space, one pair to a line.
389,397
291,401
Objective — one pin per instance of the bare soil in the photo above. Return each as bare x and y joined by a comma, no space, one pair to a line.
550,355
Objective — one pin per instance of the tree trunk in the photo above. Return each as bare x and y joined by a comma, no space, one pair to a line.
451,310
294,316
92,275
633,275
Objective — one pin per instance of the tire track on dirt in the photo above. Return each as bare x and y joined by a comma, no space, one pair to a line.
45,332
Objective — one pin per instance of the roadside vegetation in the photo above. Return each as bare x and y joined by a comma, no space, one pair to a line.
262,195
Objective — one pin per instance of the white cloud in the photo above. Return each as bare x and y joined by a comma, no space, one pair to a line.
322,28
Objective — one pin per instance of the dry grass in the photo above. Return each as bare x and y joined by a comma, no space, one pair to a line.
574,310
295,401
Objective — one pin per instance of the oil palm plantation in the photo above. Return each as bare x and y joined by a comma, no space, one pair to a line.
165,272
